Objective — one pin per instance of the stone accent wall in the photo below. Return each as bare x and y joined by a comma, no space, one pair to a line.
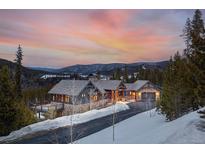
84,107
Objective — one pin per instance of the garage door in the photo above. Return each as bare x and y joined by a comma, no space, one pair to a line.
148,96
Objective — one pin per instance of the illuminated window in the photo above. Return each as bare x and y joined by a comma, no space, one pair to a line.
95,98
139,95
133,93
157,95
66,98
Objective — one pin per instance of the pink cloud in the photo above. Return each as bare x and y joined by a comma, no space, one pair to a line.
111,34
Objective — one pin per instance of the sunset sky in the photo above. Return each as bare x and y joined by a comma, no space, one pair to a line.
58,38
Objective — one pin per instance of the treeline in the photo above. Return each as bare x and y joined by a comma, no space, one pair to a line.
14,113
36,96
184,79
154,75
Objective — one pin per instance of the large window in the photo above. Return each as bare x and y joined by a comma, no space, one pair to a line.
94,98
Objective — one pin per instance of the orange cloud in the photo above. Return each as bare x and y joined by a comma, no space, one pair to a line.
84,35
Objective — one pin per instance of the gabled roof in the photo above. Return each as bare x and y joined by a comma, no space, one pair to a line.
69,87
136,85
129,85
103,85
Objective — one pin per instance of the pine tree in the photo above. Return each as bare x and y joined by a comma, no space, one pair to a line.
14,114
182,86
184,78
132,78
174,101
197,58
117,74
187,37
165,105
98,75
18,73
24,115
8,113
125,75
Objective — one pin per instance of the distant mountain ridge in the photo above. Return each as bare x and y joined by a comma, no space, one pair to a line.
28,74
12,66
106,68
51,70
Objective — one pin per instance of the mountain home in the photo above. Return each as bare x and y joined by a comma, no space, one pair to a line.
86,91
84,95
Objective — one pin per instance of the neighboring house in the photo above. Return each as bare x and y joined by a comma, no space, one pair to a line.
104,77
46,76
77,91
142,90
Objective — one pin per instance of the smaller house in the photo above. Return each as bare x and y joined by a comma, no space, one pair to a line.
142,90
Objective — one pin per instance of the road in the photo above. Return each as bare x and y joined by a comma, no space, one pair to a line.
62,135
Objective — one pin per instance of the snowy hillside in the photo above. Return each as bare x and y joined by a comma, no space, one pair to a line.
64,121
150,127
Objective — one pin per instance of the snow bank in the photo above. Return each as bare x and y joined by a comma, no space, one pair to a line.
150,127
64,121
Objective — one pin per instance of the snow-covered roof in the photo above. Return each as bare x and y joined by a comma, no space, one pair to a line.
129,85
74,87
69,87
136,85
103,85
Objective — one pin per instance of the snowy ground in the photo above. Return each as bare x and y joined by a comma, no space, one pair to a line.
64,121
150,127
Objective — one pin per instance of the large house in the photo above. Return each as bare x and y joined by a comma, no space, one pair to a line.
85,91
91,94
142,90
